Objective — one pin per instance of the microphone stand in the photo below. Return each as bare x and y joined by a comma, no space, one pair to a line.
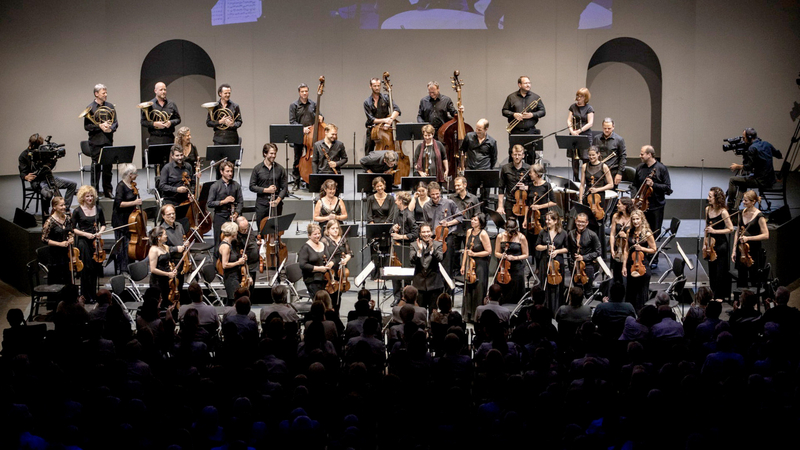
700,226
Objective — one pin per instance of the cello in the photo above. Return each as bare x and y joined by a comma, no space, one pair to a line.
137,247
385,139
305,166
452,133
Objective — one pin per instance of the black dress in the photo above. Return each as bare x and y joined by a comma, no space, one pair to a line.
231,277
58,266
516,288
161,281
580,117
307,257
553,293
324,211
336,257
377,213
120,217
638,289
474,293
418,214
91,269
719,270
746,274
616,266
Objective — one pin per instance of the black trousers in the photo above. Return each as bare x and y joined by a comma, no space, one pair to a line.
97,169
298,152
737,186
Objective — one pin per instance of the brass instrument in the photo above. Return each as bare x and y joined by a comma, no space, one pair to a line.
219,114
528,108
153,115
103,114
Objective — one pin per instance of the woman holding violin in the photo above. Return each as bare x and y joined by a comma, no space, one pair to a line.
552,242
620,225
313,261
175,235
88,223
159,258
641,247
541,198
337,250
430,157
329,206
230,260
125,202
56,234
748,257
475,265
184,141
715,243
512,246
418,202
595,180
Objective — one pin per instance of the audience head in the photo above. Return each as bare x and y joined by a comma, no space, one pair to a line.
323,296
279,294
648,315
240,292
444,303
410,295
195,292
575,296
317,311
495,293
713,310
782,296
362,307
662,299
364,294
242,306
370,326
15,317
103,297
704,296
407,313
617,293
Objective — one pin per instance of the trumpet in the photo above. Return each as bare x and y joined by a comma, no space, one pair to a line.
103,114
528,108
219,114
153,115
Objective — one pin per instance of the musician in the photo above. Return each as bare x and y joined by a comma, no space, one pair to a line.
226,198
88,223
330,206
580,120
481,149
42,180
756,164
596,179
640,239
438,213
162,132
620,226
538,189
301,112
226,128
376,108
230,260
329,154
250,245
382,161
56,234
552,242
752,230
100,136
609,142
159,259
175,237
333,239
464,200
661,185
512,245
268,181
718,227
311,258
430,156
184,141
479,248
515,107
125,202
404,231
435,109
173,187
426,254
589,249
418,202
510,176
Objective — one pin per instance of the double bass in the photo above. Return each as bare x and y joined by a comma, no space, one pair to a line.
305,166
385,139
137,247
452,133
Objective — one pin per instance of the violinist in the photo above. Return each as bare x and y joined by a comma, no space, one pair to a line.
125,201
301,112
513,246
175,236
435,108
330,206
641,246
382,161
404,231
418,202
464,200
589,249
159,258
311,258
661,185
426,254
226,128
329,154
752,230
55,233
252,245
184,141
718,227
510,176
430,156
538,188
268,181
379,113
443,212
230,259
596,179
580,120
333,238
479,249
173,188
620,226
225,196
552,242
88,223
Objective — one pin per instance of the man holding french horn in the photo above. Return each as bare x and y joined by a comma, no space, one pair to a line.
225,117
100,120
160,116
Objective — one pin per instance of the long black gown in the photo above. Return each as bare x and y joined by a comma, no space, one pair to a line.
719,270
474,293
91,270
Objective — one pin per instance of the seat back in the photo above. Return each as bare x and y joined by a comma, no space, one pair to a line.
43,255
139,269
118,284
85,149
209,273
674,225
294,273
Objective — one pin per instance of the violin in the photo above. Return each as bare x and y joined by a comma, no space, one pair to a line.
174,292
579,276
554,272
99,253
595,202
305,166
261,253
504,269
641,200
441,232
619,244
75,263
638,268
534,217
245,274
470,277
137,247
744,250
709,253
520,208
344,274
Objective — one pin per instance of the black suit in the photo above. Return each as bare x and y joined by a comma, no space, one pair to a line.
427,278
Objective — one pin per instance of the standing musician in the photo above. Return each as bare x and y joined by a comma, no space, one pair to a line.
514,109
125,202
173,187
434,214
175,237
640,239
478,248
552,242
330,206
430,156
226,128
752,230
580,120
88,223
661,188
418,202
382,161
435,109
463,200
426,254
311,258
163,131
230,260
620,226
404,231
56,234
329,154
510,176
184,141
252,245
343,255
609,142
379,205
41,181
718,227
159,258
588,252
481,149
100,135
226,198
538,188
301,112
596,179
268,181
378,112
512,246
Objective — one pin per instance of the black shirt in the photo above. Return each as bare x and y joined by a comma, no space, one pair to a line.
590,245
302,113
580,116
480,155
377,213
616,143
381,111
174,238
120,215
408,225
220,190
374,162
97,138
661,183
510,176
336,153
231,132
174,118
436,111
516,103
462,204
263,177
758,161
172,179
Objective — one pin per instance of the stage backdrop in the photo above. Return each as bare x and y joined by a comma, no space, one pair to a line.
722,65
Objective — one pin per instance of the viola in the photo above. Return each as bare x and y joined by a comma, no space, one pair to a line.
744,250
579,271
441,232
709,253
641,200
595,203
305,166
534,217
344,274
137,247
99,253
245,274
470,277
638,268
554,272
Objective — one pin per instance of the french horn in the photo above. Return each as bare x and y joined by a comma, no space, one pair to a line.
153,115
219,114
103,114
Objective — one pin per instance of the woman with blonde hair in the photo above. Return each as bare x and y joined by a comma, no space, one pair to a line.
88,223
752,230
184,140
640,239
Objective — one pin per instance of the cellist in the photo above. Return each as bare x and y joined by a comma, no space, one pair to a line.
378,112
125,201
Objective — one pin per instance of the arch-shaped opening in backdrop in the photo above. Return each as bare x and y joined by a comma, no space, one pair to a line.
189,74
641,58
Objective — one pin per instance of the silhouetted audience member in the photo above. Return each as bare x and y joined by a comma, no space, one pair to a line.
639,328
610,315
280,306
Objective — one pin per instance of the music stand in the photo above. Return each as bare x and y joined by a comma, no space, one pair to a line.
576,209
157,155
288,134
409,131
574,143
497,218
364,181
218,152
483,178
277,224
410,183
315,181
122,154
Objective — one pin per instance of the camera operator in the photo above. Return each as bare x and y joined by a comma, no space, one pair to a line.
757,165
37,169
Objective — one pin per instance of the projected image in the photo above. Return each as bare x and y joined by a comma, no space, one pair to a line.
226,12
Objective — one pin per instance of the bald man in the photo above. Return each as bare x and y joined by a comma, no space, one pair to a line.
161,129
